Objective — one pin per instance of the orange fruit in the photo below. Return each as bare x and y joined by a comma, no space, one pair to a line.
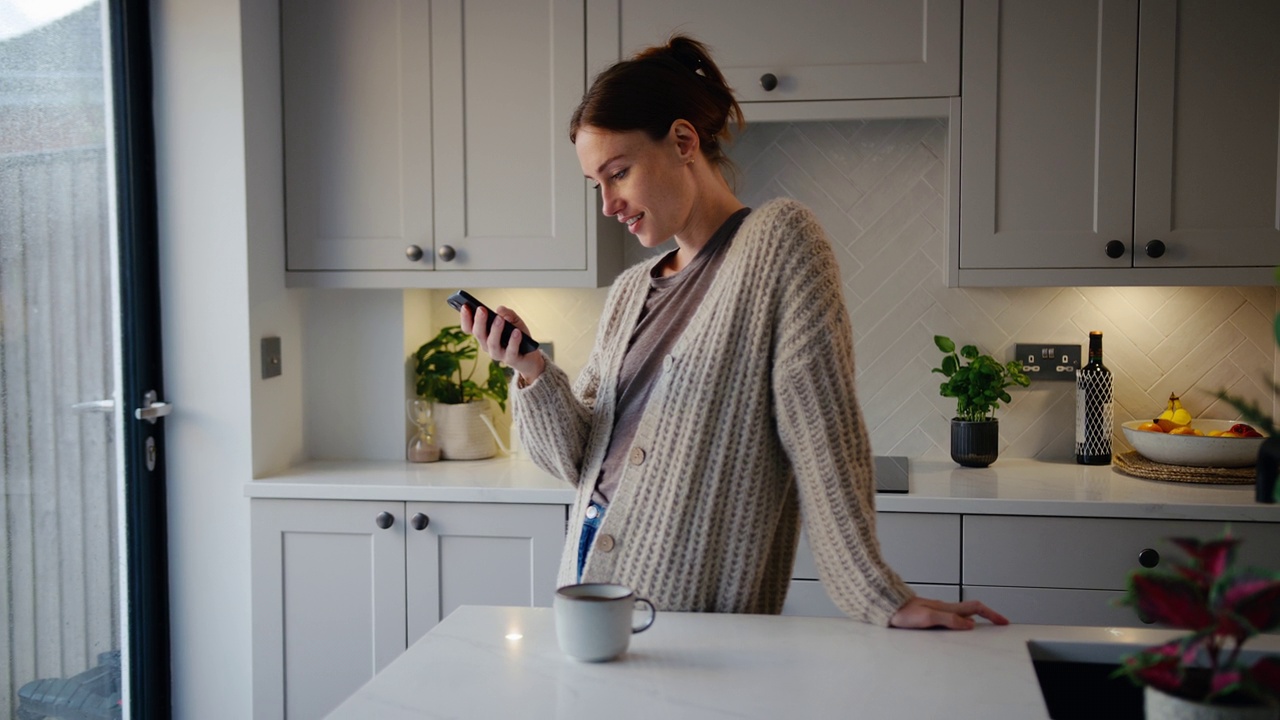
1228,433
1151,427
1168,425
1185,430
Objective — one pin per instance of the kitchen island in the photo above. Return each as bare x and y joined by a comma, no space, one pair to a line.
503,662
1044,543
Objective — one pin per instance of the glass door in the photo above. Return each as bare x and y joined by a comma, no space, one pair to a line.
82,576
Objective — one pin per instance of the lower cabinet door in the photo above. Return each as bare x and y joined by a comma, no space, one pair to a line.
1055,606
809,598
921,547
328,601
479,554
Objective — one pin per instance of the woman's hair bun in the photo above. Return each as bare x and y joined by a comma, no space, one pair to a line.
659,85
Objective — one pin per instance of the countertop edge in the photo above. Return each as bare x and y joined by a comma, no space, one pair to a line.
1018,487
1075,508
260,490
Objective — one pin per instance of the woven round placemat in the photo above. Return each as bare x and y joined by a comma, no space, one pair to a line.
1131,463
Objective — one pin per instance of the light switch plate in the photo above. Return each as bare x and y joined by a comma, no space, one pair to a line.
272,364
1048,361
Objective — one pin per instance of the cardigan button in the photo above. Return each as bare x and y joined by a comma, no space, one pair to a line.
667,362
605,543
637,456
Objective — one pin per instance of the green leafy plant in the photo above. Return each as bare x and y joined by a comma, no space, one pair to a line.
1252,411
443,375
979,385
1223,607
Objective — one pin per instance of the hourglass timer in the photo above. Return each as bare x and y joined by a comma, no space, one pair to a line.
422,446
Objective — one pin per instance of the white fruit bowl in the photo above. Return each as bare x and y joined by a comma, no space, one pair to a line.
1194,450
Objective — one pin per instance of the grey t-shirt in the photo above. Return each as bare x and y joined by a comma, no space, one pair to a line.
672,301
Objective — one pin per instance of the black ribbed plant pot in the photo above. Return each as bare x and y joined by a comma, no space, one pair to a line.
975,443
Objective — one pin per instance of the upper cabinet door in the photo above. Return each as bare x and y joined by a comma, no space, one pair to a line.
1208,122
1046,169
357,132
814,49
509,190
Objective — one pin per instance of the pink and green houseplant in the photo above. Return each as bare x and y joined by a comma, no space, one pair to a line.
1222,606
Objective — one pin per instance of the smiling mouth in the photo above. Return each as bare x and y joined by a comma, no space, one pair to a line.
631,221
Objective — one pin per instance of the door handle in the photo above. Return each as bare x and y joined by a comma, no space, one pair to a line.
152,409
102,406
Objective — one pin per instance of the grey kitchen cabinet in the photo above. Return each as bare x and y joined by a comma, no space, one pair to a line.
1068,571
342,587
426,146
803,50
924,548
1112,144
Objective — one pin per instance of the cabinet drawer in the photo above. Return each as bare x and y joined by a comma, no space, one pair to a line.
808,598
1045,606
1089,553
921,547
817,49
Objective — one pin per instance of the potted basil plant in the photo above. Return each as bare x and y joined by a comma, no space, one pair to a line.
445,368
979,384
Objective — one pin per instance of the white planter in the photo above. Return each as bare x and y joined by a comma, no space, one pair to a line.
462,432
1162,706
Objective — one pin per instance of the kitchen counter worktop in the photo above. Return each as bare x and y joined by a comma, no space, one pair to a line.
1012,486
1016,486
498,480
699,665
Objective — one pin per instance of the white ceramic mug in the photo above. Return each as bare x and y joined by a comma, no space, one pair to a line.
595,621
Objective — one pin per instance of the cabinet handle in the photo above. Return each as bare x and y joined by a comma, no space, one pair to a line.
385,520
420,521
1148,558
447,253
413,252
1155,249
1115,249
768,81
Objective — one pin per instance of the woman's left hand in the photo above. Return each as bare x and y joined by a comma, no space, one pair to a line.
926,613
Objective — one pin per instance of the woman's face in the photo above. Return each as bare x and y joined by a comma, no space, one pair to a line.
643,183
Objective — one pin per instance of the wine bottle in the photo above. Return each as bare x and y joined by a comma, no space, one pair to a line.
1093,407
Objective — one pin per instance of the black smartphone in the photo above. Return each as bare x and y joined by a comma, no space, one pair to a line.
462,299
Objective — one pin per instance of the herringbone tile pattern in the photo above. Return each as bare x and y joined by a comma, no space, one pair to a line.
877,188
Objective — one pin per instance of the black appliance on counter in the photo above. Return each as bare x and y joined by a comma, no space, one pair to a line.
892,474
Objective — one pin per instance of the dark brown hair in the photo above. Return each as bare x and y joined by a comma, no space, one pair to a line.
658,86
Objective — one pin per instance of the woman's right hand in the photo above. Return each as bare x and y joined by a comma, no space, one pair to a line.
529,365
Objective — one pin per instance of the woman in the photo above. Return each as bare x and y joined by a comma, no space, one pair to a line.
717,407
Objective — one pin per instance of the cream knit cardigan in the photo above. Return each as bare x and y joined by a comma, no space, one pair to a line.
752,424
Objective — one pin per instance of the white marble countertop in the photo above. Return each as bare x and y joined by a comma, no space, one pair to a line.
498,480
1015,486
694,665
1011,486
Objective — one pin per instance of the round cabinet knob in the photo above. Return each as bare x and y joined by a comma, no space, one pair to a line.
1155,249
1148,558
768,81
420,521
385,520
447,253
413,252
1115,249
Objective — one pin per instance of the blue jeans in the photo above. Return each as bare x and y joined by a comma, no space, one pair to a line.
590,525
